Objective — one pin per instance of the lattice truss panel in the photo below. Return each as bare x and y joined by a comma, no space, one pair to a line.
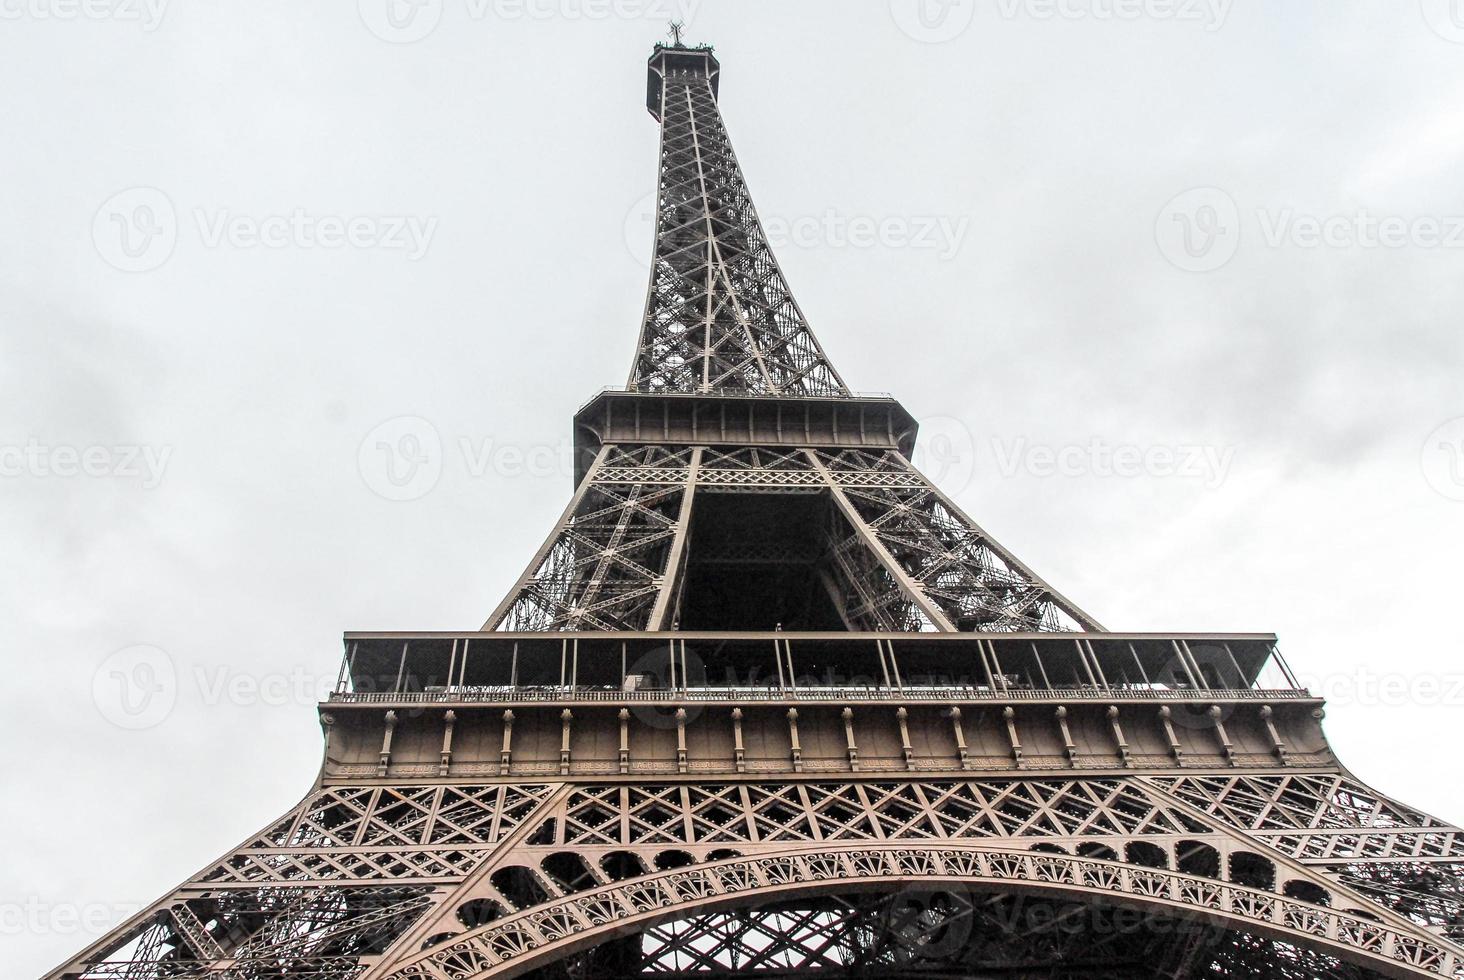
974,583
871,596
949,932
323,891
897,554
1401,858
603,567
1074,811
753,468
911,931
423,833
320,933
720,315
430,882
653,846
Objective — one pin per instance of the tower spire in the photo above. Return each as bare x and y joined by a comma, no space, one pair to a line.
720,315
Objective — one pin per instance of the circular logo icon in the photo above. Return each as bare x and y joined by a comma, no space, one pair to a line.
945,453
640,230
926,925
401,460
136,688
656,675
400,21
1443,459
1199,230
1446,17
933,21
136,230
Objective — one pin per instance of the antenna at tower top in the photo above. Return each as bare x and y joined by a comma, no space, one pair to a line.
677,29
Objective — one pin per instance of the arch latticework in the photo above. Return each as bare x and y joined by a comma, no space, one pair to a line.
542,935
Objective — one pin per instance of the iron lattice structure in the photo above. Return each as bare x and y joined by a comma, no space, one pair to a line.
720,316
767,702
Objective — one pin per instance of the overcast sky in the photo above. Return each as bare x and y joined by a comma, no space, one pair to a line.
1225,240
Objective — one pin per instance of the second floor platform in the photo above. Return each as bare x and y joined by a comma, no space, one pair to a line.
602,668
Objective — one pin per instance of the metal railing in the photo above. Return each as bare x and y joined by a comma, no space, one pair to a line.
599,695
743,393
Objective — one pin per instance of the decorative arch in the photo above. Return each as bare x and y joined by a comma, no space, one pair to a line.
535,937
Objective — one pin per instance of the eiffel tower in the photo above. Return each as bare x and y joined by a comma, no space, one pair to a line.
767,702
